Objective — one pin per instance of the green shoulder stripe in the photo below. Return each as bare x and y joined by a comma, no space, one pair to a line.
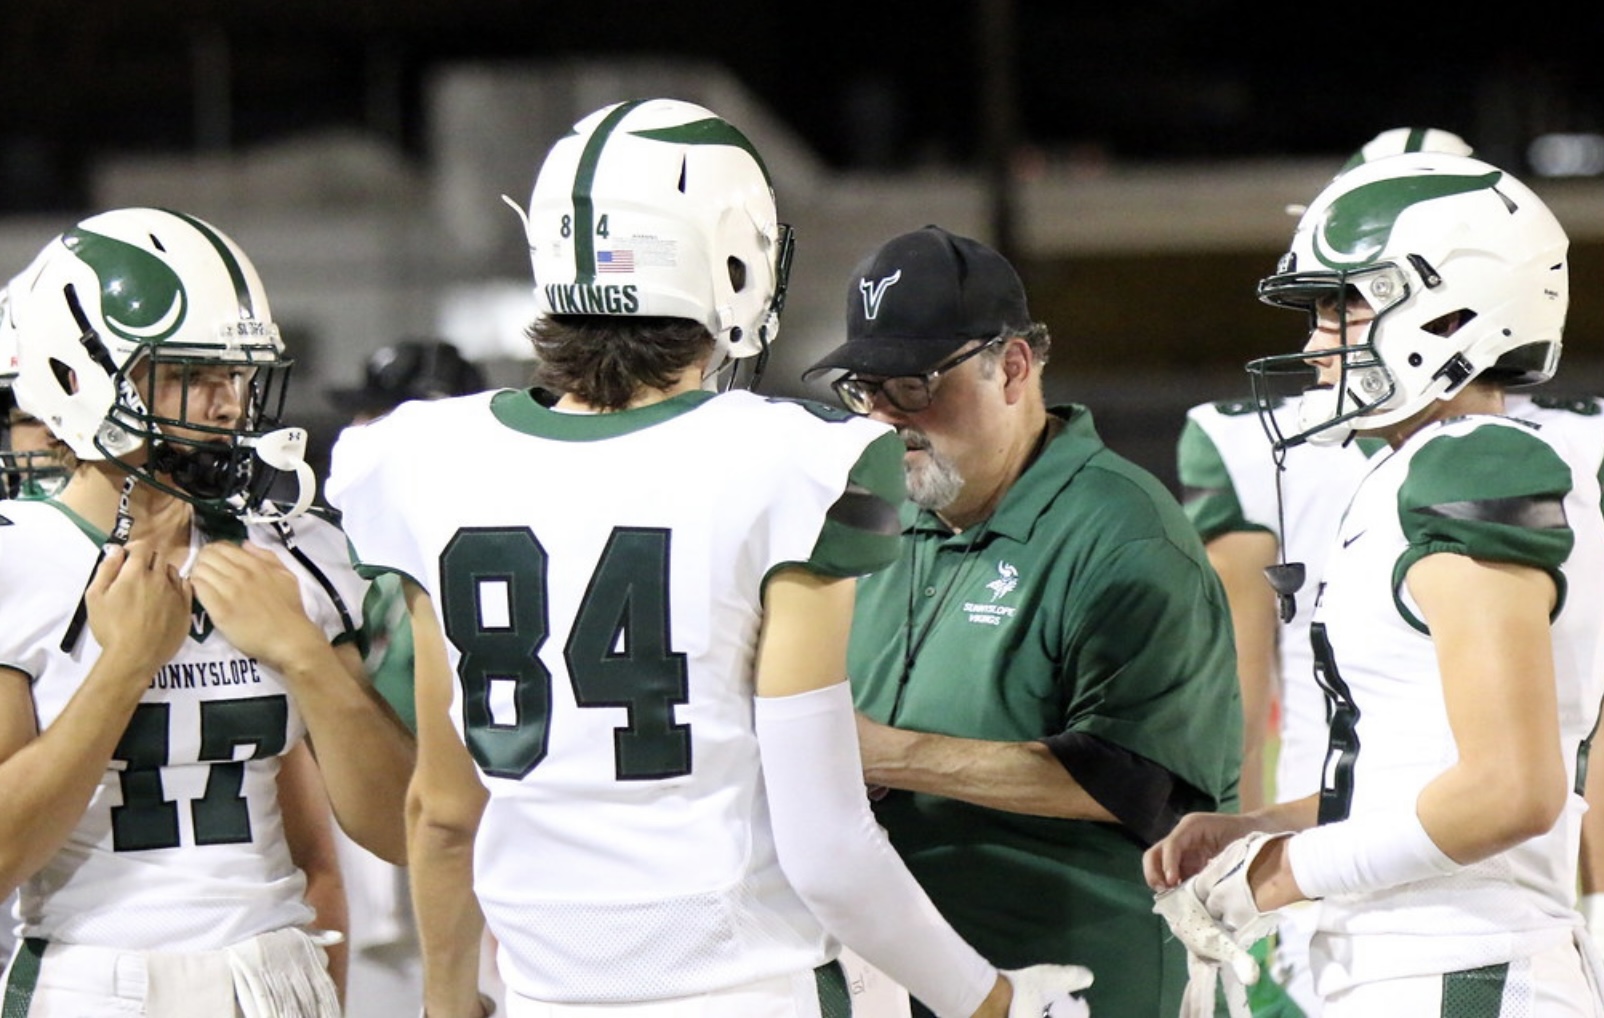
1207,493
1495,494
862,531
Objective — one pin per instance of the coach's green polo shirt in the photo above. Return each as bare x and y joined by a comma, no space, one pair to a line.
1084,604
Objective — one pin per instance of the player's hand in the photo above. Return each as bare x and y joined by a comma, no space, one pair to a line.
1198,838
138,607
255,602
1048,991
1213,913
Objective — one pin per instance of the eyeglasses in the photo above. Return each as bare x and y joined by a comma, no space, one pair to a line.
908,393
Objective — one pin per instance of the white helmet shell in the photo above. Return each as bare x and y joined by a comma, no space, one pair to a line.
1398,141
660,208
137,286
1421,237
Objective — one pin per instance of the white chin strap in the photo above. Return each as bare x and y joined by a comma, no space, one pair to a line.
284,450
1316,407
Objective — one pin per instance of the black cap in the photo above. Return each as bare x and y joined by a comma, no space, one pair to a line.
412,369
921,296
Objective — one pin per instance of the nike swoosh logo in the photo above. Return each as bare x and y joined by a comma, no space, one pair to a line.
1349,540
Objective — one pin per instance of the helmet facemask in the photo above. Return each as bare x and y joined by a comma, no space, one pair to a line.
214,465
25,473
1364,384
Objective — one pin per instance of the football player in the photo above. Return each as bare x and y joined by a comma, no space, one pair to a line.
1454,625
28,466
636,741
173,645
1243,497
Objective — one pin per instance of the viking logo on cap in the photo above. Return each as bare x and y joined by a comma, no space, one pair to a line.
873,293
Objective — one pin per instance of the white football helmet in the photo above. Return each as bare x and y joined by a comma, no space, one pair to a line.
23,472
1421,238
659,207
1398,141
123,292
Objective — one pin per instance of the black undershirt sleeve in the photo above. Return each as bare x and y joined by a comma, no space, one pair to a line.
1146,799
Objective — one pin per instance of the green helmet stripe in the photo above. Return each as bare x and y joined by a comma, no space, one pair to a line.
141,298
1416,142
584,204
1357,225
236,272
712,131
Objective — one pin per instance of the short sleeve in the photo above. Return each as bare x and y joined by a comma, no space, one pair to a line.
1496,494
1207,492
862,532
1153,656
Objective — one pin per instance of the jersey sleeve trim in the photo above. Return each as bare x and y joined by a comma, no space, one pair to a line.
1495,494
1207,493
862,531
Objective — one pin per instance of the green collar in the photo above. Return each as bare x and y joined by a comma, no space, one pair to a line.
214,526
1024,503
94,533
520,410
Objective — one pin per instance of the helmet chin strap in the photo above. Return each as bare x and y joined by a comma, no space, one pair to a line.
205,472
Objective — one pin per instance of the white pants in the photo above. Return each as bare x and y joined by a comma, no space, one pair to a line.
793,996
1292,934
276,974
1555,983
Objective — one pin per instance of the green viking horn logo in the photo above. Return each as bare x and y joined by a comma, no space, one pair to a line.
1357,226
142,299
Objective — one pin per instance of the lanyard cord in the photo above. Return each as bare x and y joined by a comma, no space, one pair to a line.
120,532
915,636
1286,578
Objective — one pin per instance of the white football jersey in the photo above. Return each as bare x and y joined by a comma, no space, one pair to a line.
1494,489
182,846
1315,490
600,581
1230,479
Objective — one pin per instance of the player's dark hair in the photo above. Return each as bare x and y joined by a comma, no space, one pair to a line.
604,360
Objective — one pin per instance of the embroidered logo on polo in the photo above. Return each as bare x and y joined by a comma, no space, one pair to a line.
875,292
984,613
1007,579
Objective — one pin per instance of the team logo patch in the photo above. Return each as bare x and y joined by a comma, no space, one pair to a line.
990,613
200,623
1007,579
875,292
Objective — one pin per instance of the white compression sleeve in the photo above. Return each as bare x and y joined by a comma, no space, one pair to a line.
838,859
1365,854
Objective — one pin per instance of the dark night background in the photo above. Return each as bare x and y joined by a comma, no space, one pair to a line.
886,85
883,87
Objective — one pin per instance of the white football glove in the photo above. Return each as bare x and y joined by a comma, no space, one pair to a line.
1213,914
1048,991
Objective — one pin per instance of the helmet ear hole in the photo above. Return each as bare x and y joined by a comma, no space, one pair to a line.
737,274
64,376
1450,323
682,163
